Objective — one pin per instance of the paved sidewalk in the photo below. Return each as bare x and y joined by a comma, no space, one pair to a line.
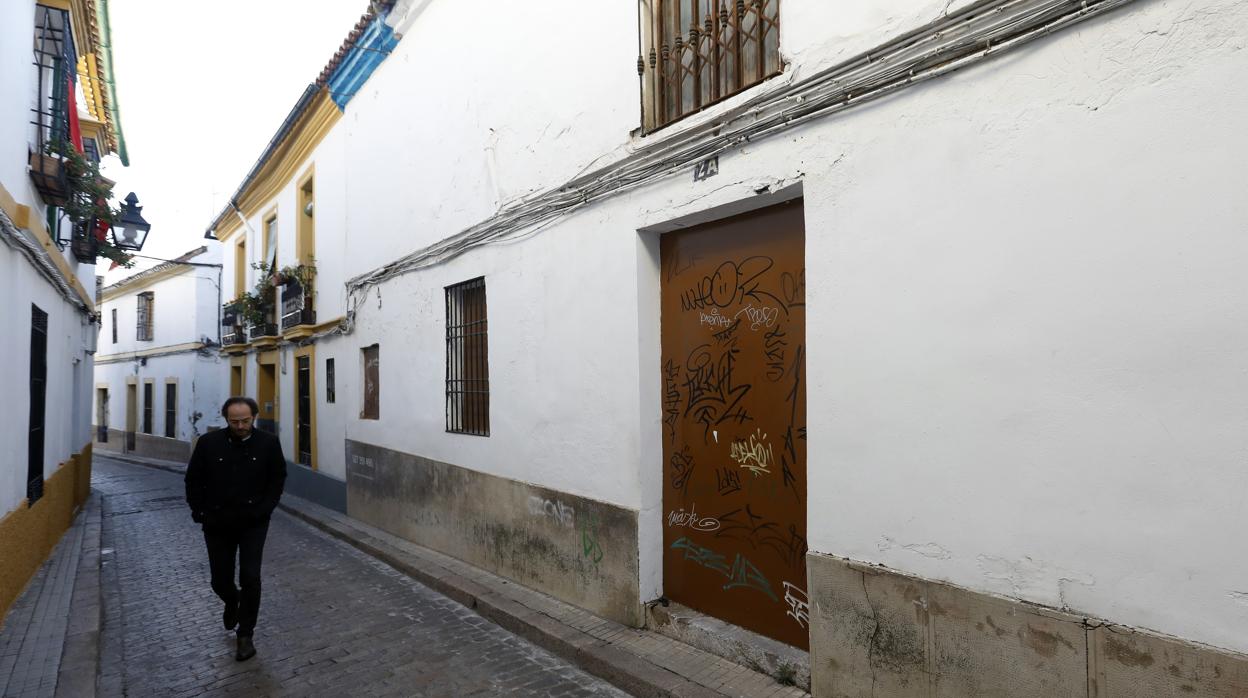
44,629
641,662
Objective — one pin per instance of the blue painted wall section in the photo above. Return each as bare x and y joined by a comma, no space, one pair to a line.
373,46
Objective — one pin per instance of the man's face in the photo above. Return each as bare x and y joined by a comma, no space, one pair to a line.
240,418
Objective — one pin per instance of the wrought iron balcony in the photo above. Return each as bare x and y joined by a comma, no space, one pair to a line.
232,326
84,245
267,329
297,306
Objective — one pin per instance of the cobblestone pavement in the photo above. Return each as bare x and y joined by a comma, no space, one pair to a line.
333,621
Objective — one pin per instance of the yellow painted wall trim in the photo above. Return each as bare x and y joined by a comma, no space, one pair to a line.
329,324
35,226
131,355
282,166
28,534
141,281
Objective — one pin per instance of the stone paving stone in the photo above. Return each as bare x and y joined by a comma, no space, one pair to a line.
333,621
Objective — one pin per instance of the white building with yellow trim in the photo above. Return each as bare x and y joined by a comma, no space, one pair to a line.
159,382
1020,365
50,50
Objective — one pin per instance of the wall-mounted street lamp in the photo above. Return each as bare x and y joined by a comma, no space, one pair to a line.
134,228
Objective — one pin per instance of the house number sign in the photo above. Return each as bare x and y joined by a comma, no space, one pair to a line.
706,169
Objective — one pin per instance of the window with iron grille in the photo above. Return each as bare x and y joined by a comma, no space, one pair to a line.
303,410
114,325
171,410
56,63
329,381
699,52
147,301
147,407
467,359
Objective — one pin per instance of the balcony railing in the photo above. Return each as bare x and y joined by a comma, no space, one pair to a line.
297,306
232,326
267,329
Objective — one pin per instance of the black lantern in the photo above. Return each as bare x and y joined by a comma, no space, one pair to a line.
133,229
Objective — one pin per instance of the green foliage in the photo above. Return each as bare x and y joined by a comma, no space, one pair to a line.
87,200
302,273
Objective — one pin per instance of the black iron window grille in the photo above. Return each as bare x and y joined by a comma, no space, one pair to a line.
171,410
702,51
55,63
467,359
114,325
231,325
297,305
303,420
147,301
147,407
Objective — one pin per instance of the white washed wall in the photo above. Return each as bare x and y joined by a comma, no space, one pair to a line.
1025,346
66,420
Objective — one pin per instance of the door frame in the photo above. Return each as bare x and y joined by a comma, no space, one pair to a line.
723,205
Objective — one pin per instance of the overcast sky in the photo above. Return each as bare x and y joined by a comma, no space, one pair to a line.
202,88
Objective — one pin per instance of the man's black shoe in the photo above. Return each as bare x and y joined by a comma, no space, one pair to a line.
229,617
246,650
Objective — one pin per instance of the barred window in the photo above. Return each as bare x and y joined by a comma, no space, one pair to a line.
699,52
114,325
147,407
467,359
147,302
171,410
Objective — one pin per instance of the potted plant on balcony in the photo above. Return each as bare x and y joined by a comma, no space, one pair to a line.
86,204
301,274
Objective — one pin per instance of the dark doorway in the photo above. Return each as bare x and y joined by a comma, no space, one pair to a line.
102,424
38,403
303,405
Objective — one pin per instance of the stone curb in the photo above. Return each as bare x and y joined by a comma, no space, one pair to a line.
80,657
503,603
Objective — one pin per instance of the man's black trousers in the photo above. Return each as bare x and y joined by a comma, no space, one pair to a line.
224,542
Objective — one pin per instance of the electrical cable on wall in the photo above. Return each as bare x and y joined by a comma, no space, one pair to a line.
951,43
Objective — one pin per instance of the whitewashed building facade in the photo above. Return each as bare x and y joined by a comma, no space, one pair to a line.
159,382
57,72
924,351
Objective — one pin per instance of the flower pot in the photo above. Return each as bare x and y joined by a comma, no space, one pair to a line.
50,178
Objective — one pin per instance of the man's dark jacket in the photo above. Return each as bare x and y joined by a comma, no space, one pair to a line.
235,483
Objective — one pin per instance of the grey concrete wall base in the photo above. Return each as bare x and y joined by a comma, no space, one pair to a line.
785,663
146,445
578,550
313,486
876,632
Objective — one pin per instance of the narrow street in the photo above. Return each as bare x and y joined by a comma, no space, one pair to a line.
332,622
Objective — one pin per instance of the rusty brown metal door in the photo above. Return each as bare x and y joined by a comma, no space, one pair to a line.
734,421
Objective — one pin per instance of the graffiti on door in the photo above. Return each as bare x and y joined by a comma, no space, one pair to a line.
734,420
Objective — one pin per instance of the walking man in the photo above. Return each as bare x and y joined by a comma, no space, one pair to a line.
233,483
